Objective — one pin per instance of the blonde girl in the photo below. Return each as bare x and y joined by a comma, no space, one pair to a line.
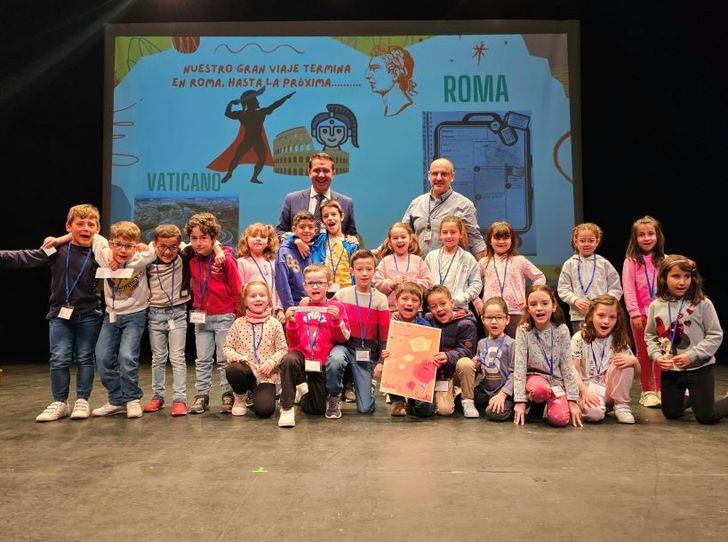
256,260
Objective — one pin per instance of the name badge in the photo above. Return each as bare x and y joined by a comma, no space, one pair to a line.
65,312
198,317
442,385
313,366
107,273
112,316
598,389
363,354
558,391
170,322
427,235
50,251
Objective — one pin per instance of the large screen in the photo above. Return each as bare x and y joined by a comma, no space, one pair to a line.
498,98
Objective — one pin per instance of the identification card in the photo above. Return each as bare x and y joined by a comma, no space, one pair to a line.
442,385
65,312
112,316
170,322
558,391
313,366
50,251
598,389
427,235
363,354
106,273
198,317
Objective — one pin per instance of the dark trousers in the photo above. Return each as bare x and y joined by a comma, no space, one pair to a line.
242,379
293,373
482,398
421,409
700,384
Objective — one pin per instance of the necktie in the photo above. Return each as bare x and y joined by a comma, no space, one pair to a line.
317,210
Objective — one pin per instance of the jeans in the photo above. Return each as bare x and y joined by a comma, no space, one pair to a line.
209,340
117,356
339,358
168,344
70,340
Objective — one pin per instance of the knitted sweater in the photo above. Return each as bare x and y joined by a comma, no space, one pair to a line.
272,346
506,277
412,268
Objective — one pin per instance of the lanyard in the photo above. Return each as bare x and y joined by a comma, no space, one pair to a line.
594,272
549,360
112,285
430,210
598,365
650,283
439,265
495,356
202,285
170,298
331,254
260,271
501,285
394,257
673,330
68,271
256,346
366,319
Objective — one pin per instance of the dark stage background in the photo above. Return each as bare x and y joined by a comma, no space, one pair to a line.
652,120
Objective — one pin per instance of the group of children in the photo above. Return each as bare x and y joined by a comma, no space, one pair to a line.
285,320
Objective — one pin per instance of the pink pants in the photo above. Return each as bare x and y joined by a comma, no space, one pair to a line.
619,383
557,408
649,370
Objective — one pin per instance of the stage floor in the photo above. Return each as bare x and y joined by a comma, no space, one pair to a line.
214,477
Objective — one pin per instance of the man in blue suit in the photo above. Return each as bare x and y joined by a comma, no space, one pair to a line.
321,173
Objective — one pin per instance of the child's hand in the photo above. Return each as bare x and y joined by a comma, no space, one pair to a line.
681,360
497,402
582,304
333,311
590,399
305,301
575,412
352,240
141,247
399,280
219,254
665,362
395,316
290,314
478,304
440,358
233,359
281,316
622,360
114,265
519,414
266,369
378,370
302,247
637,322
384,354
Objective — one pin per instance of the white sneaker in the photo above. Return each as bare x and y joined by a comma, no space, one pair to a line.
623,413
81,410
469,409
387,399
108,410
301,390
134,409
239,406
651,400
287,418
55,411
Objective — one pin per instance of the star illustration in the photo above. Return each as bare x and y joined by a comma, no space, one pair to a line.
480,50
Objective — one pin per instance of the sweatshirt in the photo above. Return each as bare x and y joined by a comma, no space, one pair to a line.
596,356
506,277
457,340
459,272
496,362
216,289
369,321
169,283
598,277
413,268
260,269
319,329
289,274
639,283
269,339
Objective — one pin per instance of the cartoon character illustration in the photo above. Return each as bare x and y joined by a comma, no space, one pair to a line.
389,73
251,144
333,128
681,340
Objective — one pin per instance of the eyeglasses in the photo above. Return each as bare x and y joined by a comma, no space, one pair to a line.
496,318
165,248
316,284
443,174
126,246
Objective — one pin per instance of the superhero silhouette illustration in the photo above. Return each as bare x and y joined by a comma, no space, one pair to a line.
251,144
334,127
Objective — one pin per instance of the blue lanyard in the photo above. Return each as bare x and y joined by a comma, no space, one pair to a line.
331,253
650,283
394,257
430,209
202,285
112,285
673,325
170,298
366,320
495,356
439,265
598,365
501,285
68,271
594,272
256,346
549,360
260,271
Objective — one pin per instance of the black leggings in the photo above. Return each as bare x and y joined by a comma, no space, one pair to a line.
700,384
242,379
292,374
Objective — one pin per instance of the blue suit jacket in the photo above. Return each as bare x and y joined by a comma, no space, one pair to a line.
296,202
